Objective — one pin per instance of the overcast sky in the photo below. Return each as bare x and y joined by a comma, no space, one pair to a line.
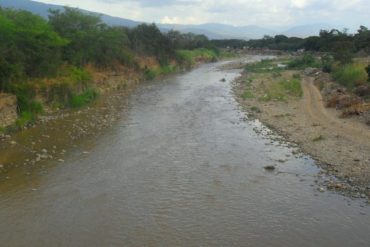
266,13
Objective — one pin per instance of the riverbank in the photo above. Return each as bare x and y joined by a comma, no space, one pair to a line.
57,132
340,146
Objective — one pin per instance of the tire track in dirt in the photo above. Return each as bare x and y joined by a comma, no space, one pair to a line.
312,104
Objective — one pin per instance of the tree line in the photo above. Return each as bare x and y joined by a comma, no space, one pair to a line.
333,41
33,47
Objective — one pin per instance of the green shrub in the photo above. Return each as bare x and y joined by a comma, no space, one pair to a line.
82,99
327,64
247,95
26,93
25,118
303,62
350,75
150,74
168,69
72,80
188,58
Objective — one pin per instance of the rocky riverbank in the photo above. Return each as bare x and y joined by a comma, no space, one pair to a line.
8,109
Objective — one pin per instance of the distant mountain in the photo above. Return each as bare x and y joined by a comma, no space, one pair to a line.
211,30
43,8
34,7
307,30
222,31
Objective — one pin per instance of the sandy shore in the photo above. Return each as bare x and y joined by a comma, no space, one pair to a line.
341,146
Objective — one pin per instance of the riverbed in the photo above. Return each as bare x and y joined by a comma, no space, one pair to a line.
181,165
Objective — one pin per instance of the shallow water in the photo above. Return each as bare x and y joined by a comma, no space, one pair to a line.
182,168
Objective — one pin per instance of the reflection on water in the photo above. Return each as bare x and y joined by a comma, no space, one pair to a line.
182,168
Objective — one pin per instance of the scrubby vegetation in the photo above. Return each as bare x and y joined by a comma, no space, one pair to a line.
266,65
336,49
48,58
282,89
190,57
302,62
269,80
350,75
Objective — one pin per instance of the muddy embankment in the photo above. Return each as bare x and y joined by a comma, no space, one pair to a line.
340,145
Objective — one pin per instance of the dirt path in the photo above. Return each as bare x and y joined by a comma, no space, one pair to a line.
341,146
312,104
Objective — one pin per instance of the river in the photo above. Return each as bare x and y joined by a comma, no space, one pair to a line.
183,167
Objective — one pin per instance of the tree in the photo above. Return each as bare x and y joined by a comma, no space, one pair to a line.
81,30
148,39
28,46
362,39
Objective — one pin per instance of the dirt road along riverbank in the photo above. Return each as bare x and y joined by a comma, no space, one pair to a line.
341,146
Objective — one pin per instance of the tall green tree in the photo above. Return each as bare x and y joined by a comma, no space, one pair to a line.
81,30
28,46
148,39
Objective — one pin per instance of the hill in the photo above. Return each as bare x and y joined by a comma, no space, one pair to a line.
211,30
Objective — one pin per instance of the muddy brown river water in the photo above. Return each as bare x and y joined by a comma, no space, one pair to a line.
182,167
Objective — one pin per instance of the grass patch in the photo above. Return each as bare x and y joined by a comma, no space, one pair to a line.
25,118
247,95
350,75
151,74
83,99
282,89
227,54
248,81
266,65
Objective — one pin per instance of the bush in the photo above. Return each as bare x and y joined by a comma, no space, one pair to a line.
327,64
70,83
189,58
150,74
351,75
83,99
25,118
307,60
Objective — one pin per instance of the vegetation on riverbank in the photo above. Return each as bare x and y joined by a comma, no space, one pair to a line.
52,62
274,82
272,92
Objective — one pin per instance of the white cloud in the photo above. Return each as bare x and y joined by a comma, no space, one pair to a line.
266,13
